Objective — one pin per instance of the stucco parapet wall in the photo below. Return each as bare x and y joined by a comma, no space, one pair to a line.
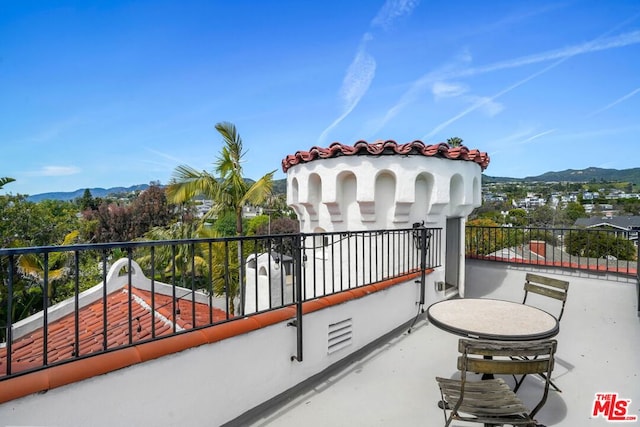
88,367
385,148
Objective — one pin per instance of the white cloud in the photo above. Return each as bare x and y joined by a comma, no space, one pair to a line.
57,171
483,102
560,55
357,80
448,90
362,69
490,107
392,10
355,85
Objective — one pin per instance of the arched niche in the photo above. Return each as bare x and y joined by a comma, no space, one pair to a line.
424,184
294,191
346,195
477,192
385,196
456,191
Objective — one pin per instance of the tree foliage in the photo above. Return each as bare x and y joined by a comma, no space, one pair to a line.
454,141
121,222
599,244
230,192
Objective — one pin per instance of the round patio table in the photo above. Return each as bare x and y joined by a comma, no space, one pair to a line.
492,319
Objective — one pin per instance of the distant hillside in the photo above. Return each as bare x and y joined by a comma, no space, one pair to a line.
582,175
280,185
95,192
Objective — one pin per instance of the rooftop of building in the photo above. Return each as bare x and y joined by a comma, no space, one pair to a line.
388,147
394,384
390,382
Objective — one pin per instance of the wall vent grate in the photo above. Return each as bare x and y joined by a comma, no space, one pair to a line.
340,335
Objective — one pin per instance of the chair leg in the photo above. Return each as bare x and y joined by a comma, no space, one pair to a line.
551,383
543,376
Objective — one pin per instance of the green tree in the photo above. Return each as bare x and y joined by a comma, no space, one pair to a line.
543,216
260,224
225,224
86,201
230,192
56,266
25,223
598,244
518,217
151,209
574,210
178,258
454,141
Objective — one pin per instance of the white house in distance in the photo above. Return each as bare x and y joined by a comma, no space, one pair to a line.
384,186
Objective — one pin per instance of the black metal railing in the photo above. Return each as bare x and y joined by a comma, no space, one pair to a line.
53,308
598,250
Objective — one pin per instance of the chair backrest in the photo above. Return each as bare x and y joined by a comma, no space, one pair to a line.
548,287
506,357
509,358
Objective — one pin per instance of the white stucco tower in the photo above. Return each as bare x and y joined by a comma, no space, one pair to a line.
386,185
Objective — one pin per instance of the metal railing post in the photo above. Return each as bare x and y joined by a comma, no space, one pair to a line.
424,244
297,323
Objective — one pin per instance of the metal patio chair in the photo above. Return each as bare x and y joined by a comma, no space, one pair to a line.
492,401
548,287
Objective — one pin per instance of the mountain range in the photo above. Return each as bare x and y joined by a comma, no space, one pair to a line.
280,186
578,175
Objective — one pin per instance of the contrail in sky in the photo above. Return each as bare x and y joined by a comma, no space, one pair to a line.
355,85
484,101
616,102
362,69
561,55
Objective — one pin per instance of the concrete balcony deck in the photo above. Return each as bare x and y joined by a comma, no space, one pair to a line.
598,352
391,384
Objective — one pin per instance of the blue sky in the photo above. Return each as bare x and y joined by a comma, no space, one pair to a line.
116,93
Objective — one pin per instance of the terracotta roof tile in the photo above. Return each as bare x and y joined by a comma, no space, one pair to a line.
27,351
79,369
389,147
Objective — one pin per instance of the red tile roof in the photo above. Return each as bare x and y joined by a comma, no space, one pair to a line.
389,147
27,350
80,369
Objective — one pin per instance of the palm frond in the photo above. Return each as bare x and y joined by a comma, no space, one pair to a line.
188,182
70,238
5,180
260,190
229,161
30,264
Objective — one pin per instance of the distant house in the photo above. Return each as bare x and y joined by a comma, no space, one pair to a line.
628,225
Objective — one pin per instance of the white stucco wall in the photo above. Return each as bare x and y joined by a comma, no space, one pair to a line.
370,193
213,384
364,192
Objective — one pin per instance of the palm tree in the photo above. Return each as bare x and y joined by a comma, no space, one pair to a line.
230,192
4,181
454,141
57,268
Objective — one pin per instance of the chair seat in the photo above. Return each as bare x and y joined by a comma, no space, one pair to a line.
490,401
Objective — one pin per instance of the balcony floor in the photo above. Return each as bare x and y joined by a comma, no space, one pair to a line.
394,385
